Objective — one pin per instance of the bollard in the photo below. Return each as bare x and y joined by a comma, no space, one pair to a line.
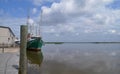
23,43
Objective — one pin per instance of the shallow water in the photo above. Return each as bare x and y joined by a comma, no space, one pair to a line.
78,59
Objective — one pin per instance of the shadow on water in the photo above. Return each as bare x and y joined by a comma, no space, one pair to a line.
35,57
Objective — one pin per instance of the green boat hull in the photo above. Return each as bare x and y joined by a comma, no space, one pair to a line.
35,44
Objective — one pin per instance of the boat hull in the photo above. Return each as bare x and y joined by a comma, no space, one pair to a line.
35,44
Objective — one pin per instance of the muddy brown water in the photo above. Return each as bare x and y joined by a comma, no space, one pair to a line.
75,59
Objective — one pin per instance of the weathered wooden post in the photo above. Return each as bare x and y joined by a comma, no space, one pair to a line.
23,43
3,47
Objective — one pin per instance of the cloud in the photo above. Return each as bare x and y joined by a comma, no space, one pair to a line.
30,21
13,23
34,10
37,2
40,2
90,16
80,19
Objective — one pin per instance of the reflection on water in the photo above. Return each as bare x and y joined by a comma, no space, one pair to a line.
78,59
35,57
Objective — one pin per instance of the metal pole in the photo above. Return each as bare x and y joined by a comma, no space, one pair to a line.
23,43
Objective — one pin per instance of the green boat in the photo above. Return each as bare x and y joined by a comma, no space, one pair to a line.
35,44
35,41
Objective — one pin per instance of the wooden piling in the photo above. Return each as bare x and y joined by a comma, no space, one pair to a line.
3,47
23,43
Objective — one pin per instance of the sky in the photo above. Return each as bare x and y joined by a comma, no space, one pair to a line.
65,20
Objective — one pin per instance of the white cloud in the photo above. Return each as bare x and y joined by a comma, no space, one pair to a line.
75,18
34,10
77,34
112,31
13,23
40,2
37,2
80,15
82,19
30,21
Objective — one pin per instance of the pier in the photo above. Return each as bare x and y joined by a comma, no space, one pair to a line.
9,61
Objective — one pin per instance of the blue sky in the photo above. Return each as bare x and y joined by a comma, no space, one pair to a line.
65,20
115,4
19,8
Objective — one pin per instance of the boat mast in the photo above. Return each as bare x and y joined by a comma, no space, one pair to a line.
30,25
28,17
40,23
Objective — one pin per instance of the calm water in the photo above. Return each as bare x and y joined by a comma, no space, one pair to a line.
76,59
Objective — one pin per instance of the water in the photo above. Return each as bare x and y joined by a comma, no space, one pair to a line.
78,59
